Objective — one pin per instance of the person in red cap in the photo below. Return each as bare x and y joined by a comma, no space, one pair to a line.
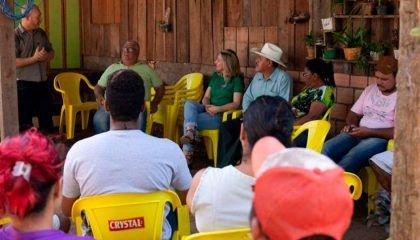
370,122
298,194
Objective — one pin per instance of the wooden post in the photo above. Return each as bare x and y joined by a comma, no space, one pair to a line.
405,223
8,94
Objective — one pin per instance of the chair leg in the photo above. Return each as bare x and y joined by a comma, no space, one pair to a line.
214,141
85,118
70,123
62,117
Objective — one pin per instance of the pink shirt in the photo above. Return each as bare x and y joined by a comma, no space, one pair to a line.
377,109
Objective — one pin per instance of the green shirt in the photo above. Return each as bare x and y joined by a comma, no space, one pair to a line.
221,93
149,76
302,102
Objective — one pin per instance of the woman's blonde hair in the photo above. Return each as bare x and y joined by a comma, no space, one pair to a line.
231,64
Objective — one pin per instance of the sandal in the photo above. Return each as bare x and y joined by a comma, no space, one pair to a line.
191,136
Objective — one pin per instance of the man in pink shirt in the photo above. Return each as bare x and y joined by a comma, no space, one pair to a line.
370,122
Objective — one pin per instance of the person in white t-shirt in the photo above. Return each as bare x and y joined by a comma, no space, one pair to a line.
124,159
221,198
370,122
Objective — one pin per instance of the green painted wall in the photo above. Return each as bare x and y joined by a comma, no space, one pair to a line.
73,33
55,32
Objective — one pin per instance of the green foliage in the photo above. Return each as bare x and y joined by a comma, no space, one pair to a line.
309,39
351,41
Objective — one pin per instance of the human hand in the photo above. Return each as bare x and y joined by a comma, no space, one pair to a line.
212,110
360,132
100,101
39,54
348,128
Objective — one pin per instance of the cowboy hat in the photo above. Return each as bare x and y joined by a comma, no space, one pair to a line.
270,51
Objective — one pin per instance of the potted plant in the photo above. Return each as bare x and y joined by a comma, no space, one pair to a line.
310,42
376,50
381,7
353,43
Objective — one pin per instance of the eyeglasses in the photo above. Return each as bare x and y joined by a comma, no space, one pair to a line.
129,50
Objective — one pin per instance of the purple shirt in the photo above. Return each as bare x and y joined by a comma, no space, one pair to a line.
9,232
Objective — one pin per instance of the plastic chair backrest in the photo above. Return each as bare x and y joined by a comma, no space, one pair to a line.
317,132
327,114
125,215
69,85
234,234
390,146
354,183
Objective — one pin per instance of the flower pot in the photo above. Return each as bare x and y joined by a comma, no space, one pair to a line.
351,54
311,52
381,10
376,55
329,53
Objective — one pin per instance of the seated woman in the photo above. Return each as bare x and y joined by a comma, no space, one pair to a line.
30,183
224,93
316,98
221,198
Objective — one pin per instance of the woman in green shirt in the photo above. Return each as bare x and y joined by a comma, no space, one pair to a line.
316,98
224,93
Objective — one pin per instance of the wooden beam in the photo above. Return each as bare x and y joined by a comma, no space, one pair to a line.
406,170
9,124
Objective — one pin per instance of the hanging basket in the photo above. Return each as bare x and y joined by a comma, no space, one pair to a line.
351,54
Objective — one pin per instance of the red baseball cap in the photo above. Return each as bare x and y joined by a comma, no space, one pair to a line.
293,198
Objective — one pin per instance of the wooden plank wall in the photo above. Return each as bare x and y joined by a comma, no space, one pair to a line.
200,29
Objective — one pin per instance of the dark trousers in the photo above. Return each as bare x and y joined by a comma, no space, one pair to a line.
229,145
34,99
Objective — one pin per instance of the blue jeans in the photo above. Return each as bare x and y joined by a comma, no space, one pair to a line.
101,120
353,153
195,115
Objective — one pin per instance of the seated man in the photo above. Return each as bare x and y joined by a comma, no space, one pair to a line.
124,159
370,123
221,198
298,194
129,56
269,80
382,167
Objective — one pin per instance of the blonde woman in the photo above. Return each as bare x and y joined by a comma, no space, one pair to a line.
224,93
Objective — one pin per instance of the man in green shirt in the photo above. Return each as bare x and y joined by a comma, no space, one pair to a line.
129,60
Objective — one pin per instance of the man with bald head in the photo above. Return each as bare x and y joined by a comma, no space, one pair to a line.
129,60
33,51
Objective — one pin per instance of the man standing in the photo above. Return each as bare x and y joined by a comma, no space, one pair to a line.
124,159
370,122
33,51
129,56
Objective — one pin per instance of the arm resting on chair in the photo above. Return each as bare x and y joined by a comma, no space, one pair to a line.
99,94
67,204
315,112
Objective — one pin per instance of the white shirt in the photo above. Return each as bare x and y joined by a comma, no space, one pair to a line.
121,161
223,199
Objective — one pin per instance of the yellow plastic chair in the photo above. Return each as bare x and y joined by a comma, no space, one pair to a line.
370,183
5,220
327,115
189,87
129,215
234,234
317,132
211,136
68,84
354,183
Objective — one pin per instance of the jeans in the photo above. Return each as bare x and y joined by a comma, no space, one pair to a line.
195,115
34,98
353,153
229,146
101,120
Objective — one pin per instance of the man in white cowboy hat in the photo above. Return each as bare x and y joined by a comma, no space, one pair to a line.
269,79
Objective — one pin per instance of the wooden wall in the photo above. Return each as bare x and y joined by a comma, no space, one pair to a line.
200,29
